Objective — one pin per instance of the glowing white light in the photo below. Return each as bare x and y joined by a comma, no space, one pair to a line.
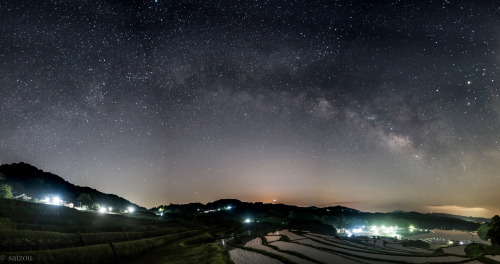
56,200
229,208
131,209
102,210
110,208
248,220
375,230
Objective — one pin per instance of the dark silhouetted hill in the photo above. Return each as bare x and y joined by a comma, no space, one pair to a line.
336,216
26,179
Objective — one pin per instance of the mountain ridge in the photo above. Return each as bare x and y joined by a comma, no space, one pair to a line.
35,184
31,181
337,216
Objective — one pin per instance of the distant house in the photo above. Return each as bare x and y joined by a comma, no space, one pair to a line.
342,231
23,197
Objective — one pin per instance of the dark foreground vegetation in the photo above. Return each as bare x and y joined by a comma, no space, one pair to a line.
488,231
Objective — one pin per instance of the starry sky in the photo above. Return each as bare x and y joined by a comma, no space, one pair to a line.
374,105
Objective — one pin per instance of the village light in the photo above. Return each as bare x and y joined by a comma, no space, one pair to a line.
357,230
131,209
56,200
102,210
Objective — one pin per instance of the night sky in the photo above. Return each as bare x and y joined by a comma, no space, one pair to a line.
373,105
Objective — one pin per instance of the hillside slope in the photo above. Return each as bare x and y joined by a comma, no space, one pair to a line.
38,185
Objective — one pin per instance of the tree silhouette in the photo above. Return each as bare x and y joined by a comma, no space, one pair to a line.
5,191
490,231
494,232
84,198
482,232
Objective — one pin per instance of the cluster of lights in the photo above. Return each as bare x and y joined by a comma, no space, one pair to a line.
384,230
219,209
357,230
389,231
104,210
451,242
54,201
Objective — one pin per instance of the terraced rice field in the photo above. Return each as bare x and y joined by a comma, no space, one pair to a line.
306,247
495,258
37,233
438,235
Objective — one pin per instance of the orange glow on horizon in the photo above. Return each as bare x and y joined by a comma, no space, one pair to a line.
461,210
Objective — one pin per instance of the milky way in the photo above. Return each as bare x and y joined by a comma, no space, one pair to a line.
375,106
